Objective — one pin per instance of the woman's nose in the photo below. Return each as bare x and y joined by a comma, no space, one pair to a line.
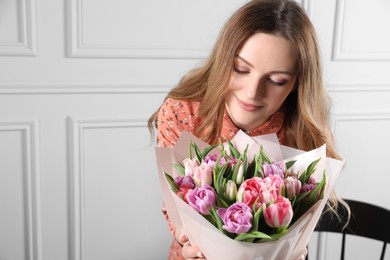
255,89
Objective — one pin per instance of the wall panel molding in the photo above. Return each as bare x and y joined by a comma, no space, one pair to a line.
27,30
78,48
76,130
358,88
338,54
363,117
307,4
80,88
31,205
59,88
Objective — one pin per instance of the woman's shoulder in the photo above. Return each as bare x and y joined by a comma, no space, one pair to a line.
174,117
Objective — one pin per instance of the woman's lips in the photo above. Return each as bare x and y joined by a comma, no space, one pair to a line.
246,106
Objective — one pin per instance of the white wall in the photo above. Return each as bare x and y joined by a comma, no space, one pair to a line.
356,49
78,81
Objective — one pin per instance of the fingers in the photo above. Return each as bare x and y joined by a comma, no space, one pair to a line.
190,252
303,255
180,237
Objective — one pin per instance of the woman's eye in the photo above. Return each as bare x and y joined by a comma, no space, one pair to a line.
277,83
240,70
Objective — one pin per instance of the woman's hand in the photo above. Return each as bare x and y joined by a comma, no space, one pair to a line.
189,252
303,255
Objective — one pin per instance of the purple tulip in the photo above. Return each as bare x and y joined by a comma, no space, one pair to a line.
274,169
186,182
309,186
237,218
202,198
211,160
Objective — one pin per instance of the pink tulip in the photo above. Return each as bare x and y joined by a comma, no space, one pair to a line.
275,181
182,193
292,187
189,166
249,191
260,190
279,214
203,174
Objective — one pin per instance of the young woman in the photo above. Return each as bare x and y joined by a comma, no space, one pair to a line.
263,76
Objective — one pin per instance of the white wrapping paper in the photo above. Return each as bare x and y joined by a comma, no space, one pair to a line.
213,243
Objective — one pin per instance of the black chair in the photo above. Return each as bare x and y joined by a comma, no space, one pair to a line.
367,220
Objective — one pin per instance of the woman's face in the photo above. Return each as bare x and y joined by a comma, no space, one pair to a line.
264,74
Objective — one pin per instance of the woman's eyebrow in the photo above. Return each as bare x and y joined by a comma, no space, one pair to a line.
271,72
245,61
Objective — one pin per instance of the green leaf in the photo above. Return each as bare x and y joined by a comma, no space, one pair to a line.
228,174
190,148
233,150
218,176
217,219
313,196
259,166
179,168
171,182
235,170
256,217
275,236
310,199
298,198
302,177
311,169
323,185
250,170
197,153
221,202
254,234
264,156
207,150
289,164
245,164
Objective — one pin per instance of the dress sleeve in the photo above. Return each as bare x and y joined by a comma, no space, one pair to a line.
174,117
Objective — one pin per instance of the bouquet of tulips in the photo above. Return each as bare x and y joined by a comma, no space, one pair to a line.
248,197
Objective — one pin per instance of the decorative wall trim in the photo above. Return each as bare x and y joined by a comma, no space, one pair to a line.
307,4
358,88
59,88
338,54
80,88
343,117
76,131
32,209
76,48
27,46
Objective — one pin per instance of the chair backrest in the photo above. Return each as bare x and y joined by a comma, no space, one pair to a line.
367,220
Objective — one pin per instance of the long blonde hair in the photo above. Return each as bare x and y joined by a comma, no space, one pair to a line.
307,110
